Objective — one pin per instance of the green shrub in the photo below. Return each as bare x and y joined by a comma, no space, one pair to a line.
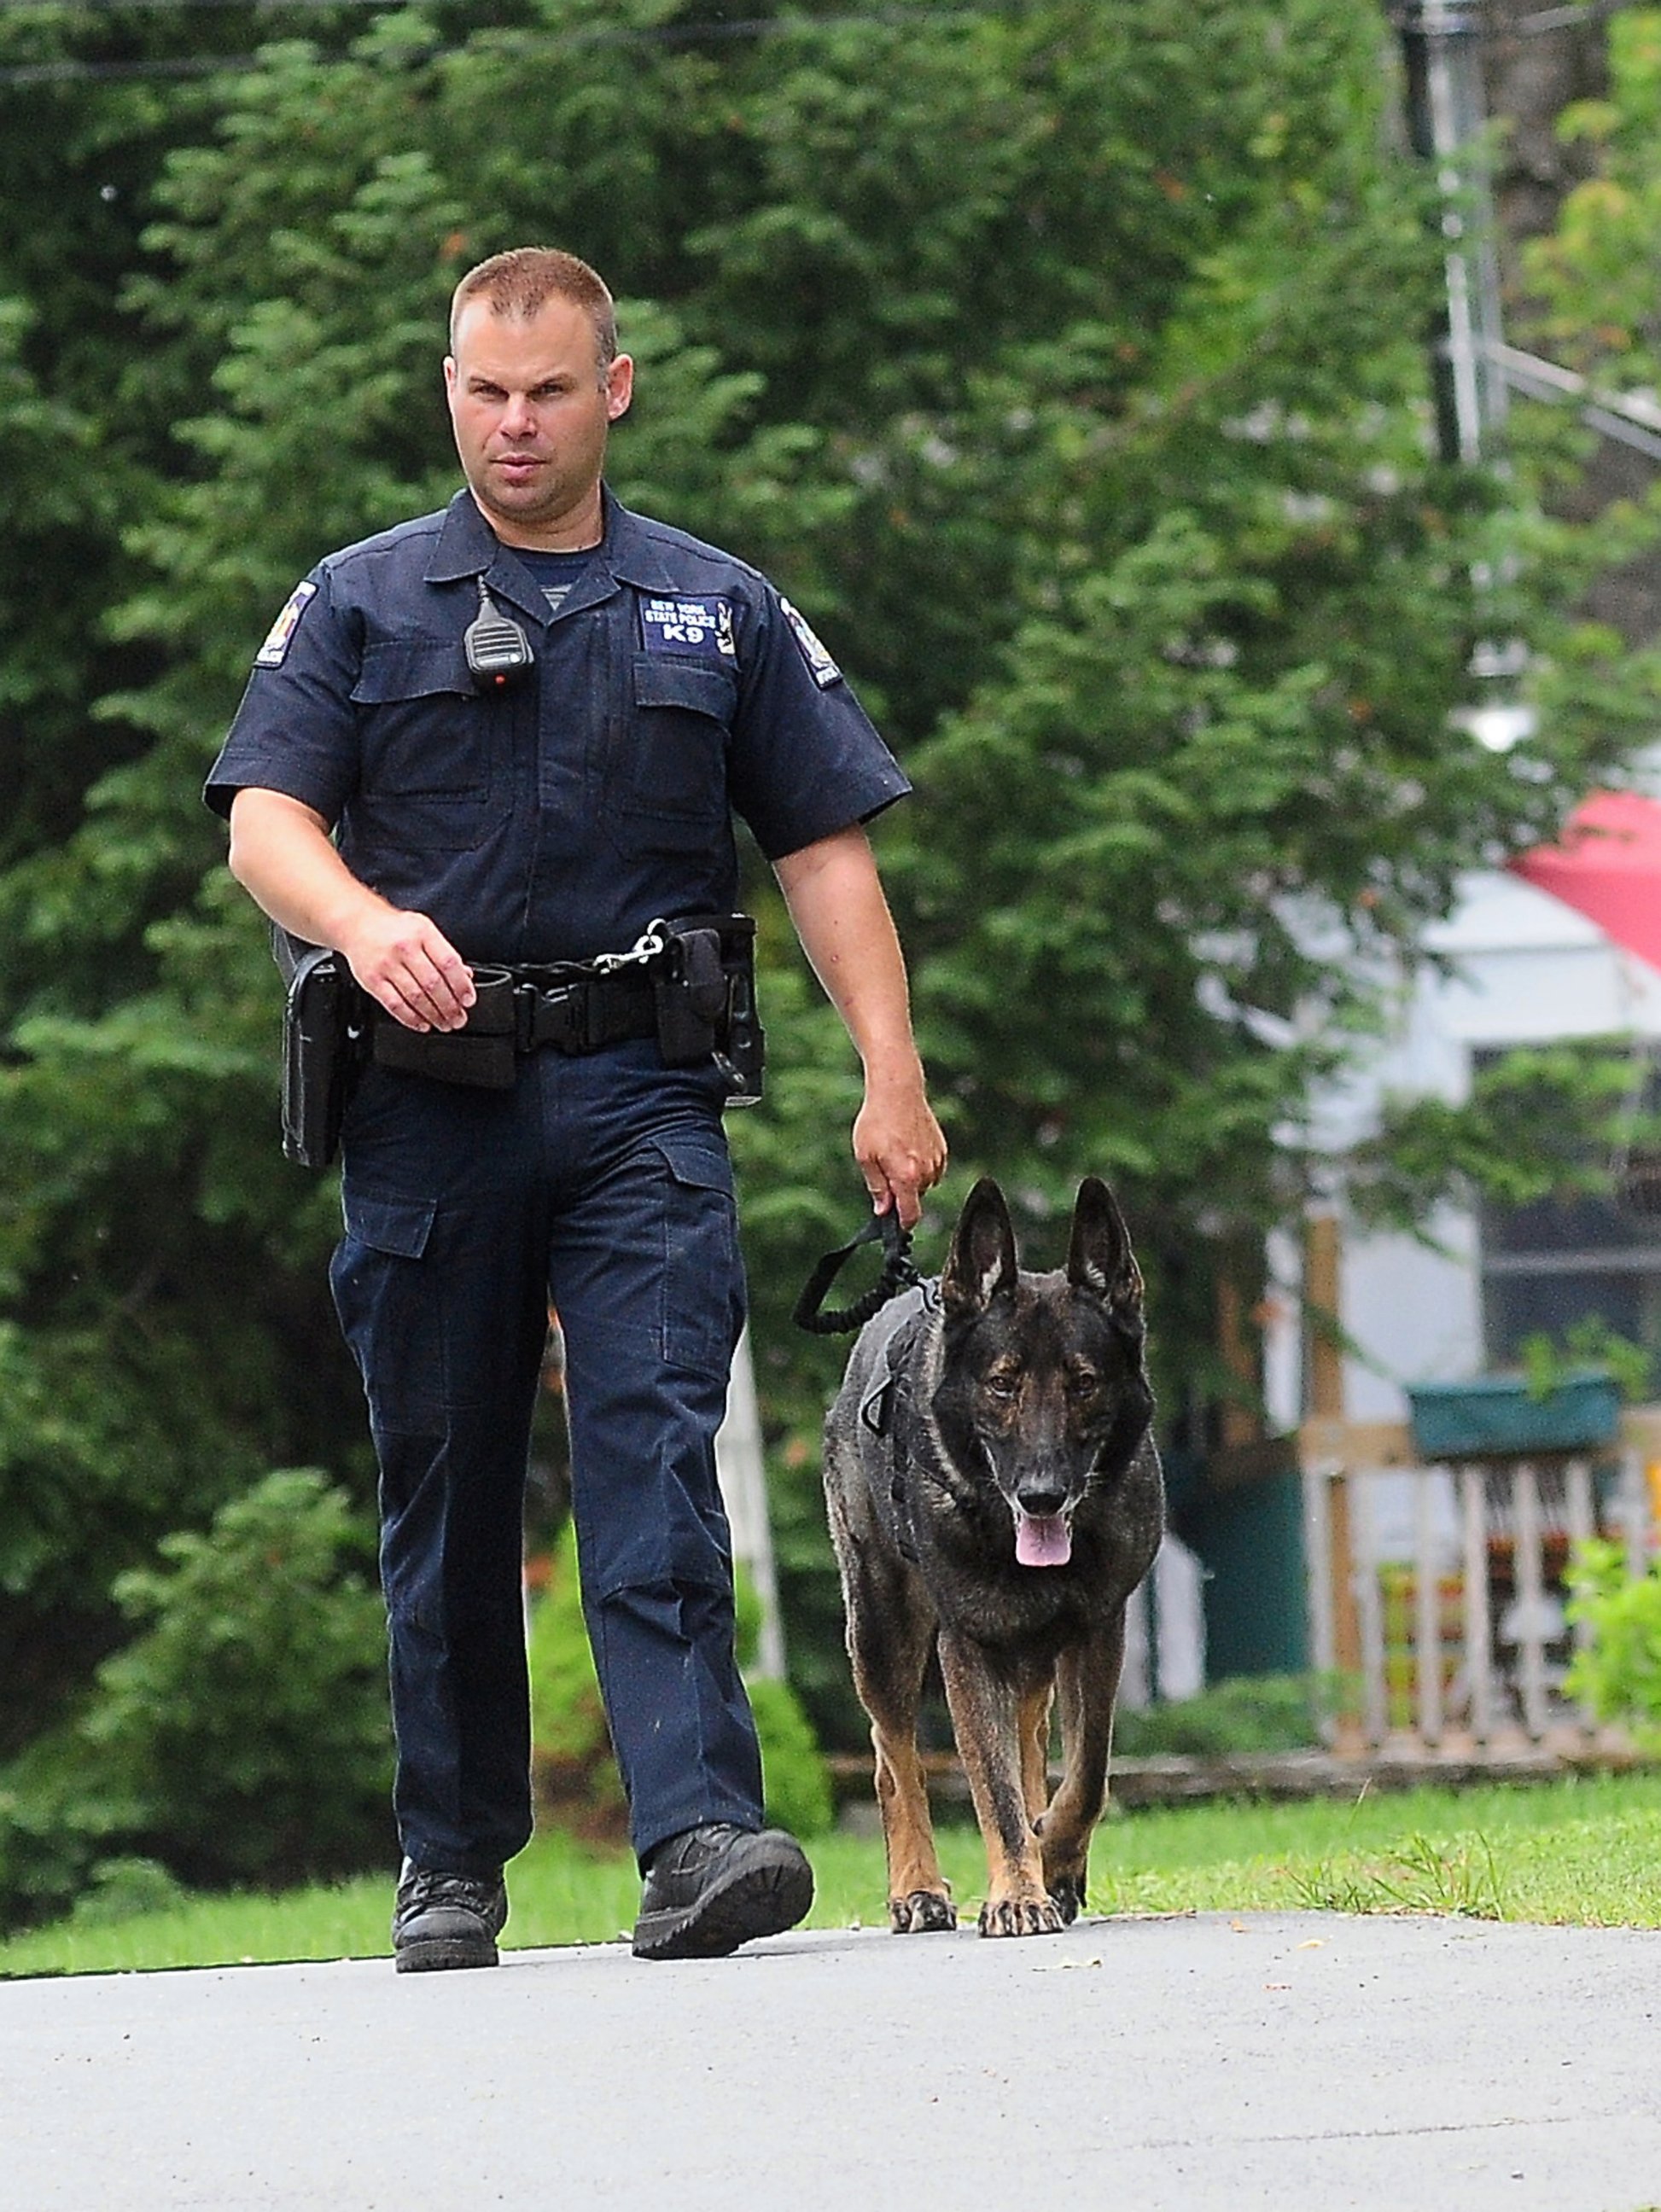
577,1785
241,1737
796,1781
59,1814
1248,1713
249,1718
125,1889
1618,1674
575,1775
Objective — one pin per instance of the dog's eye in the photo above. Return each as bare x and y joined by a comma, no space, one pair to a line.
1084,1381
1000,1386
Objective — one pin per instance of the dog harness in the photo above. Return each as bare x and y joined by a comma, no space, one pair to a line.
888,1411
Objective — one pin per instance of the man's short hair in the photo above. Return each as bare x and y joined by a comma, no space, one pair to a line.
522,282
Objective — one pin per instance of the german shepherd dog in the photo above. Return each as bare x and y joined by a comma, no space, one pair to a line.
992,1488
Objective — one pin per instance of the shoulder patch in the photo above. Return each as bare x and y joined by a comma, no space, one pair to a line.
275,650
696,629
820,666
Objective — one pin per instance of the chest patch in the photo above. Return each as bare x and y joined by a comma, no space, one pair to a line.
820,666
275,650
693,629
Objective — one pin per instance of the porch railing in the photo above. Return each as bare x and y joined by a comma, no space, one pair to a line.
1436,1591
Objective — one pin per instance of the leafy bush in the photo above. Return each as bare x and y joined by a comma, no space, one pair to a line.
796,1781
125,1889
575,1775
249,1717
59,1814
1249,1713
240,1737
1588,1342
576,1778
1618,1674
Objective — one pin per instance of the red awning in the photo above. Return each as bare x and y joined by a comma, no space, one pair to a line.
1608,868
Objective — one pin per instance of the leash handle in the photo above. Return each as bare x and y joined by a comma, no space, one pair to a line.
897,1274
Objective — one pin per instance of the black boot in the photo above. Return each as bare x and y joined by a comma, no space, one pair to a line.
446,1919
713,1888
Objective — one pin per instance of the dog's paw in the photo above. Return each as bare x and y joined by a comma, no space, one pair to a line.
1021,1916
1066,1895
921,1913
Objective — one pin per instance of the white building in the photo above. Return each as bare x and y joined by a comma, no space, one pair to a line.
1526,969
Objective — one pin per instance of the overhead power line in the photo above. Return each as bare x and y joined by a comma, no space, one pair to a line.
1566,18
1632,418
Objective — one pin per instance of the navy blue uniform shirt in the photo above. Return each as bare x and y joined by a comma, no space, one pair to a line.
554,819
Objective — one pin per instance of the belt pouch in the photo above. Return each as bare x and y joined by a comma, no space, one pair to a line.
689,989
480,1057
704,986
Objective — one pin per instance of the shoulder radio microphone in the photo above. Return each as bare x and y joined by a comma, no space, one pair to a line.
498,651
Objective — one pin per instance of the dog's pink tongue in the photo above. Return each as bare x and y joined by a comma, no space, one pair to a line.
1043,1540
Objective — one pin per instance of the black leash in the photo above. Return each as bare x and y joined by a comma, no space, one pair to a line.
897,1274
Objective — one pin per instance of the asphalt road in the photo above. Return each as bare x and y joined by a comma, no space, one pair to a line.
1303,2063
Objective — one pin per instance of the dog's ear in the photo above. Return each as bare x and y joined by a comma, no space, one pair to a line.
981,1264
1099,1258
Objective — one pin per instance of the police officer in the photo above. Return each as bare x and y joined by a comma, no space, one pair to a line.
539,804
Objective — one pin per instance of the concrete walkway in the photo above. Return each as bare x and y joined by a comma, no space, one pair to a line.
1299,2062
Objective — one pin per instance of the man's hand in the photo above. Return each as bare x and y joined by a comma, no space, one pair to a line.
281,852
407,964
900,1148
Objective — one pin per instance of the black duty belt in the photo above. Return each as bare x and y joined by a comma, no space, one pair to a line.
520,1011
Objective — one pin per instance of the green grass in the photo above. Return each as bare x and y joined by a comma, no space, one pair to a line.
1584,1852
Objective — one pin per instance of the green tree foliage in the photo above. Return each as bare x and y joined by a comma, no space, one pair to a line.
1598,273
248,1715
1547,1121
242,1736
1062,359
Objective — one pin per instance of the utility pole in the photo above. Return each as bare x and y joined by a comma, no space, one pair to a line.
1472,367
1446,114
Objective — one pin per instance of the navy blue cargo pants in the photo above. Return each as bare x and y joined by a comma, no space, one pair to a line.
602,1184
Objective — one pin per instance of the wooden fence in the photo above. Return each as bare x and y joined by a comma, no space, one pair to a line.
1437,1592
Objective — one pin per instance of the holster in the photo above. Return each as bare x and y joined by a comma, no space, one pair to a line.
703,984
323,1032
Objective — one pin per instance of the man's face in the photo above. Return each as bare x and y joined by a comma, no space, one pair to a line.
531,410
